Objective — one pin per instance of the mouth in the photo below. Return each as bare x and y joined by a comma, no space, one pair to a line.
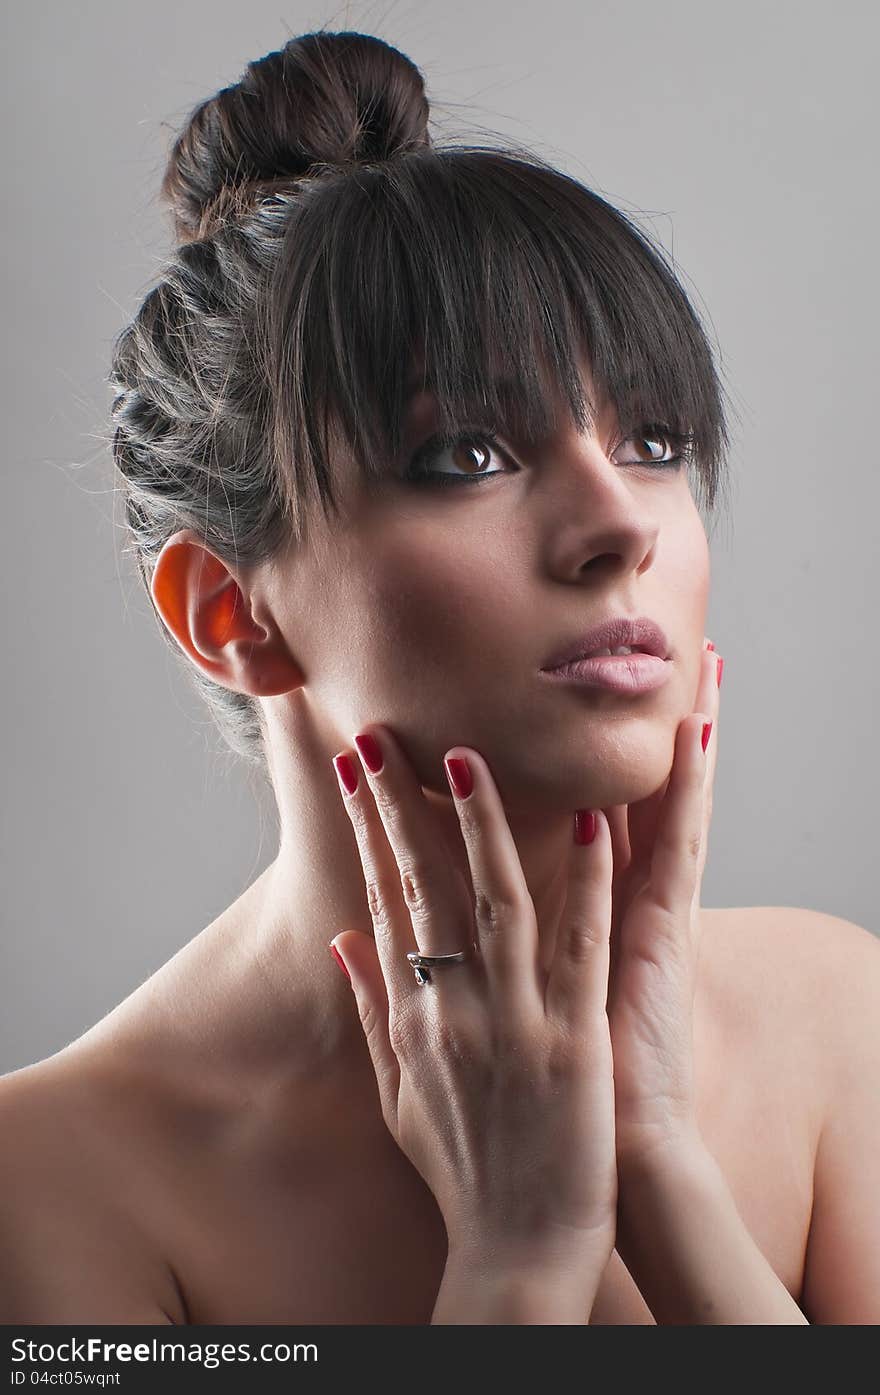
629,673
623,651
618,637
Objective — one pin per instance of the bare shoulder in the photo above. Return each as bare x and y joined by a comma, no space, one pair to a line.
799,958
74,1241
802,983
832,1013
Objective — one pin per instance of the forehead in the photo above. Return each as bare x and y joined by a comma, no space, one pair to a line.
420,385
420,394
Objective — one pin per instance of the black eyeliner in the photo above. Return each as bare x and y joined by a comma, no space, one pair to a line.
470,435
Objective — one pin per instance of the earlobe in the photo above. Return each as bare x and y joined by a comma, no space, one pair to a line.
202,606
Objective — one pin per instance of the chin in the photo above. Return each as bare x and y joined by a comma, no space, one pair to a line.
624,774
630,790
630,780
603,766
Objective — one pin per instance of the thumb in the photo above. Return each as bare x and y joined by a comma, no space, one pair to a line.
358,952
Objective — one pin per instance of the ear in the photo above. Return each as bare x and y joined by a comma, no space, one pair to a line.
203,607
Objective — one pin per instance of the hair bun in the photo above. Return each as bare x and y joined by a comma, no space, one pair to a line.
323,99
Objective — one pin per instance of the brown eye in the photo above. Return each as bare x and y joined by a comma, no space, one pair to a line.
470,454
653,445
658,447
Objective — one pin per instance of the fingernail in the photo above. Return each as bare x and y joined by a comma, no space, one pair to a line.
458,773
371,751
584,825
346,770
719,669
707,728
340,961
710,646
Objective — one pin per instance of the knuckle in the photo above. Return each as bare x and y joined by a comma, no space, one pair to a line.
517,1047
565,1056
693,844
383,797
390,816
493,914
379,901
452,1040
572,1053
404,1032
581,941
359,814
370,1019
415,877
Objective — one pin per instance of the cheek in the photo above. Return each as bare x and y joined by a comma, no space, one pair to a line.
683,580
423,629
432,595
434,633
387,615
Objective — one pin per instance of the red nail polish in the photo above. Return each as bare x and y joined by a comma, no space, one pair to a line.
707,729
719,669
347,772
340,961
710,646
371,751
584,826
460,777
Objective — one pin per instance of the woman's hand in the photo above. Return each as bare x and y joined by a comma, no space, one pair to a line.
660,848
495,1078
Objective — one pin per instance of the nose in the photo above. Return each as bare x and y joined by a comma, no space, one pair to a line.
599,517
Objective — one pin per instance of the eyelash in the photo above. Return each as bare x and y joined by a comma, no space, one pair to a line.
472,436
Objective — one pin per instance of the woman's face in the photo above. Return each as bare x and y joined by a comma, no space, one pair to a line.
432,608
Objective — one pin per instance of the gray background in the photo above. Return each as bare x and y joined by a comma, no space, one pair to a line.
742,135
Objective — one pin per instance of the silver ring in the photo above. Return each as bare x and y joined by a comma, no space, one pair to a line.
422,963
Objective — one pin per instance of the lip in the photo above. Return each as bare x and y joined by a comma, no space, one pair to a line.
635,632
627,674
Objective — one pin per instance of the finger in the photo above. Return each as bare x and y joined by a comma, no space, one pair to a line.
441,919
618,823
707,703
392,930
504,913
707,684
709,700
675,861
577,988
358,953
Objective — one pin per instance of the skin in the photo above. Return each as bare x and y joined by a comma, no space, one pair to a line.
234,1089
482,580
501,998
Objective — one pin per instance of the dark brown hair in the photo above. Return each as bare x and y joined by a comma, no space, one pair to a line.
326,246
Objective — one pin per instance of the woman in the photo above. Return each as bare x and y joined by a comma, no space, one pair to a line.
399,430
